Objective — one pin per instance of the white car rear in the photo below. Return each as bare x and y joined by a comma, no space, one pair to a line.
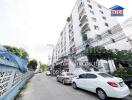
103,84
65,77
47,73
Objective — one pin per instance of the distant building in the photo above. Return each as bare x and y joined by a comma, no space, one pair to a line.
90,24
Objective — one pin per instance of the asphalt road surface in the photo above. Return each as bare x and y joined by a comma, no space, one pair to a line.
42,87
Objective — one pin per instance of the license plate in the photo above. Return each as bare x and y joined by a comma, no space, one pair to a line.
121,84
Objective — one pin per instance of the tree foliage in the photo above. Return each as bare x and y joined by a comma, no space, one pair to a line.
33,64
98,52
123,72
20,52
123,57
43,67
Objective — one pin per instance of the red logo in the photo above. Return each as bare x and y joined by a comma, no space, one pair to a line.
117,11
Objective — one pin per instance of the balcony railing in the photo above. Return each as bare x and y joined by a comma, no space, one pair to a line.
82,13
85,28
83,19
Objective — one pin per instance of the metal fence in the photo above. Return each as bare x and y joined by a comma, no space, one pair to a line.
11,81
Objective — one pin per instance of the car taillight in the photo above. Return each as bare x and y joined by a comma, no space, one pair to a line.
113,84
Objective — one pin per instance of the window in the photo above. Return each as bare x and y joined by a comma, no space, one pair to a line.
106,66
99,37
113,40
91,76
82,76
96,27
105,75
90,6
94,19
99,6
109,31
92,12
106,24
87,76
101,12
72,40
104,17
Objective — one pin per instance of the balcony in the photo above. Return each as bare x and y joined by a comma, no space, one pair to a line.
80,6
83,21
85,28
98,37
83,18
82,13
73,50
71,37
81,9
83,24
72,43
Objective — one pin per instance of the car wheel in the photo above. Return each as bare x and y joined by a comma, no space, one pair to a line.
101,94
74,85
63,82
130,85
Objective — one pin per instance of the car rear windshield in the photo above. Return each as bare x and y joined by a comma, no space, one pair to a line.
69,74
105,75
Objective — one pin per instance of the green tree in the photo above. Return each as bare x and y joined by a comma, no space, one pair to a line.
43,67
123,57
33,64
98,52
20,52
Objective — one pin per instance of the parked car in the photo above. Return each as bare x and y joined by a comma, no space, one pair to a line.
39,71
128,81
104,85
47,73
65,77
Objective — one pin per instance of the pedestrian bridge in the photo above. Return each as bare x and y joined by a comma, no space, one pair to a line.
13,74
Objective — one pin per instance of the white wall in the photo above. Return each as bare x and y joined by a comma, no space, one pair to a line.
102,66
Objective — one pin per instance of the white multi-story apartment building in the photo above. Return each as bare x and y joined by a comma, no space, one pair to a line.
127,27
90,24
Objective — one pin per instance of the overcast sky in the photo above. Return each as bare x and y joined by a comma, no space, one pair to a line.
32,24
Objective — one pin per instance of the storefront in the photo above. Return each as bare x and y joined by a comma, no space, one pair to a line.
61,65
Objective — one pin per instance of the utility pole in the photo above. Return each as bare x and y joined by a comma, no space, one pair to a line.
50,50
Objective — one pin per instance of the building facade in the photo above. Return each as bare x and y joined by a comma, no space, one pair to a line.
89,24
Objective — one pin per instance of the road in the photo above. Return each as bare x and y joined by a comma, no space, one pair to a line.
44,87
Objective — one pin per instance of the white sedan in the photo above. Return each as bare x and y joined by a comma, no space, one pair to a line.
47,73
104,85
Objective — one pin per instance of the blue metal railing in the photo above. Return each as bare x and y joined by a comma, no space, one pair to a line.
11,81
